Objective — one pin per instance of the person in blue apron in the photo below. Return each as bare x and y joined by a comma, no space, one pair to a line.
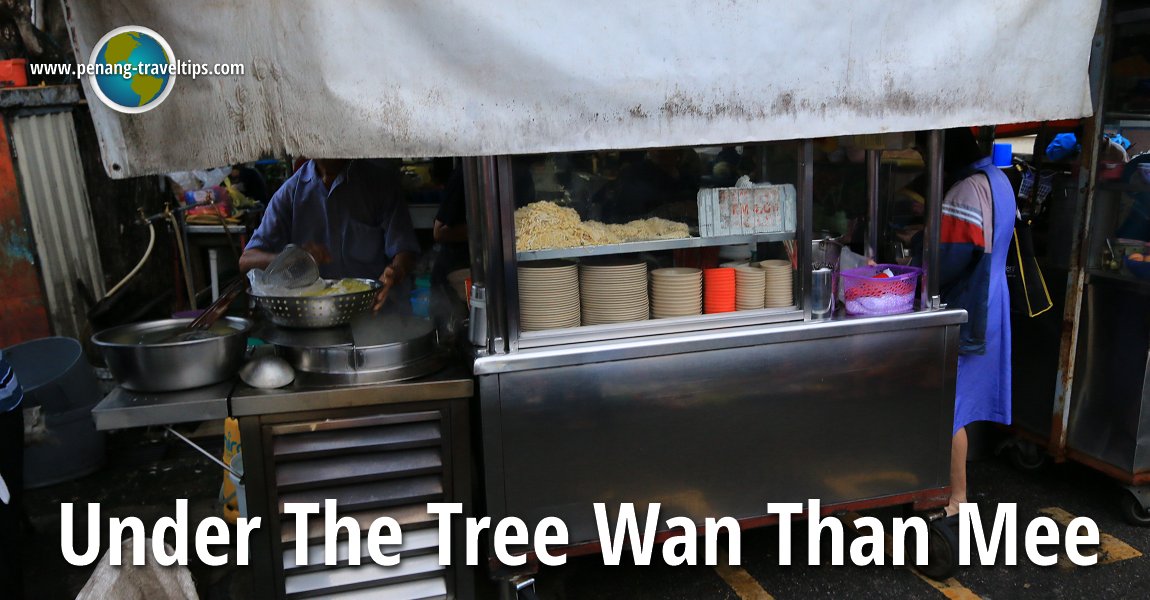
351,216
978,213
11,482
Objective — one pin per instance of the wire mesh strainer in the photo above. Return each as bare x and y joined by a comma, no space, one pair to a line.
293,268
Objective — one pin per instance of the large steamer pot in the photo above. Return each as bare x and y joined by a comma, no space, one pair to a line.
152,357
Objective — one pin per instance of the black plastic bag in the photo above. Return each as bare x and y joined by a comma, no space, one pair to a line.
1028,293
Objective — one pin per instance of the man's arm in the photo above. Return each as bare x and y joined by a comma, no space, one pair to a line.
962,231
444,233
255,258
274,231
395,272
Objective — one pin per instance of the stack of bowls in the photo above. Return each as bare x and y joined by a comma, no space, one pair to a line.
613,291
750,288
719,290
676,292
548,294
779,283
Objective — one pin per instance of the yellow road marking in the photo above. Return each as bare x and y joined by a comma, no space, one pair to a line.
744,585
1110,548
951,588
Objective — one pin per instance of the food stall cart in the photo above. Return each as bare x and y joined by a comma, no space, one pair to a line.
1096,414
713,414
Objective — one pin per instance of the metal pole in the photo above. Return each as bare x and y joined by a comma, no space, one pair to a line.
214,271
872,231
1080,241
473,199
210,456
506,201
931,299
805,222
494,259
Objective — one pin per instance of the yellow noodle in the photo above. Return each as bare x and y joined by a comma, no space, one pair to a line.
544,225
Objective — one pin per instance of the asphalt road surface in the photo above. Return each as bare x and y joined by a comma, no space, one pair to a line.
147,470
1061,491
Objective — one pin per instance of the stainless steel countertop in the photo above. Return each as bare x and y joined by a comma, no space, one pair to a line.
123,408
710,339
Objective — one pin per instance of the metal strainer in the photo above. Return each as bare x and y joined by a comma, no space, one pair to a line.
293,268
310,312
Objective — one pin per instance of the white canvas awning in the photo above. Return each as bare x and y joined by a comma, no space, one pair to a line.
359,78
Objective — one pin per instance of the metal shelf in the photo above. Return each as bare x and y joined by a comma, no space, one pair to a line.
1127,119
1120,277
1138,15
653,246
1118,186
231,228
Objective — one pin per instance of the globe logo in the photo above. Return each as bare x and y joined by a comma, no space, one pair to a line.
132,69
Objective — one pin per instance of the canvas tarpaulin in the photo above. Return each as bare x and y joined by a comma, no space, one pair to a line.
362,78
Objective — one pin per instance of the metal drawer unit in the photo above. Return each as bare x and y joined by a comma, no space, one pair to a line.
373,465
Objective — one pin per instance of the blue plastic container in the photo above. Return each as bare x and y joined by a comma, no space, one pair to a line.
1003,155
421,302
56,378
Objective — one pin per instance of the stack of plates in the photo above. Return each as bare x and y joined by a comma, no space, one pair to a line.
613,291
750,288
548,294
719,290
779,285
676,292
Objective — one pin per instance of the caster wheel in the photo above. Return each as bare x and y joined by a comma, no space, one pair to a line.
1026,456
942,549
1133,511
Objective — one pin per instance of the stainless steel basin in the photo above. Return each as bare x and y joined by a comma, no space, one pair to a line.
151,357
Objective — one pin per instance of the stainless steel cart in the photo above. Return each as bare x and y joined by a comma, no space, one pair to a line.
714,415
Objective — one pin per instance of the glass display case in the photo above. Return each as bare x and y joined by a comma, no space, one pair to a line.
635,243
620,244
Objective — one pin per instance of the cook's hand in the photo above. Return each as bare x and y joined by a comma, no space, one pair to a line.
388,279
319,252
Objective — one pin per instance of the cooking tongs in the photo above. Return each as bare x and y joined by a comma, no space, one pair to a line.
220,307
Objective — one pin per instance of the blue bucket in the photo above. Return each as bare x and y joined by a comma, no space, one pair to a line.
56,377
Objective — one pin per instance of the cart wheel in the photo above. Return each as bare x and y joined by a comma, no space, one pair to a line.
942,549
1026,456
1133,511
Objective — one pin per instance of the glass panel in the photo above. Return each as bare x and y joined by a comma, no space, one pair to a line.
842,220
613,238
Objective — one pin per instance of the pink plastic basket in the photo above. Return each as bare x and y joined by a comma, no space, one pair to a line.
863,294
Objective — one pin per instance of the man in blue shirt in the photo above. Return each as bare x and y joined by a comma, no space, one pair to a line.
349,214
11,482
